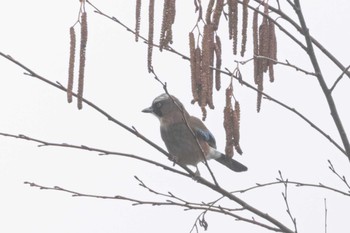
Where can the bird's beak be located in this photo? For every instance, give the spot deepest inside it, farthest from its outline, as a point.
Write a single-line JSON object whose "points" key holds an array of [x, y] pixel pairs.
{"points": [[148, 110]]}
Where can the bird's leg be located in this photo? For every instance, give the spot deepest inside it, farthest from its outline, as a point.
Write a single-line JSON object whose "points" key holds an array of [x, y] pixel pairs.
{"points": [[174, 159], [197, 174]]}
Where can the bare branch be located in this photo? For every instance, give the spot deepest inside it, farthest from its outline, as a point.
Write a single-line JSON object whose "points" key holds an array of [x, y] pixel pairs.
{"points": [[279, 62], [285, 198], [299, 29], [296, 183], [268, 97], [92, 149], [229, 73], [325, 215], [320, 78], [167, 48], [342, 178], [199, 179], [339, 78]]}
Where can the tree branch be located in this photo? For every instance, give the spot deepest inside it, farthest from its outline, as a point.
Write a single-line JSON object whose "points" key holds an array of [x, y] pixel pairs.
{"points": [[278, 62], [229, 73], [314, 41], [246, 84], [199, 179], [321, 80], [339, 78], [92, 149], [167, 48]]}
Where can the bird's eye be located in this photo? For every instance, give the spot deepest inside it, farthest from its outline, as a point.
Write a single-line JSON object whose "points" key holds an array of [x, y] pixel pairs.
{"points": [[158, 105]]}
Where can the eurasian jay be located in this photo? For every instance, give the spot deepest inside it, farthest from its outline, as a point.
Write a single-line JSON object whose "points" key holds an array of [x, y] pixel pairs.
{"points": [[180, 141]]}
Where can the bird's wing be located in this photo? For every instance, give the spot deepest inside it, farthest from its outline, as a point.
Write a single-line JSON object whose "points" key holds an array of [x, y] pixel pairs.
{"points": [[202, 132]]}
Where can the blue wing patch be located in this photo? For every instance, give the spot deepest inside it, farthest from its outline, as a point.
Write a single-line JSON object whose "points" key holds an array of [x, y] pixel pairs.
{"points": [[206, 136]]}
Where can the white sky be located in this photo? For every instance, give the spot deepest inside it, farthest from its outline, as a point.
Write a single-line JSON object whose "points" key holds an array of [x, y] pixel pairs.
{"points": [[36, 34]]}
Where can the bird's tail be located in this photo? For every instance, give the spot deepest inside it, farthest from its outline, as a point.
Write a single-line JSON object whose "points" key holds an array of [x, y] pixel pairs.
{"points": [[231, 163]]}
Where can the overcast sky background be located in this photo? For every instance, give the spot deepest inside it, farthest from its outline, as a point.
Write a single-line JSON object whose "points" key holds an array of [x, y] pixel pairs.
{"points": [[36, 33]]}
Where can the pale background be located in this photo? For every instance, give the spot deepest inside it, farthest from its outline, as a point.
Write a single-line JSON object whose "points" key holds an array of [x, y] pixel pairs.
{"points": [[36, 33]]}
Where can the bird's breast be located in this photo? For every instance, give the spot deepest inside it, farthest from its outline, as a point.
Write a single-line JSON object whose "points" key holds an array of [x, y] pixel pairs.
{"points": [[182, 144]]}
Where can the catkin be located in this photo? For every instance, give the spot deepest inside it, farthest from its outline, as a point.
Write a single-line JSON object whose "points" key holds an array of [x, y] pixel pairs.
{"points": [[193, 67], [271, 72], [259, 97], [236, 125], [256, 46], [218, 63], [207, 61], [228, 116], [209, 11], [264, 42], [233, 22], [272, 49], [264, 45], [150, 35], [272, 41], [217, 14], [244, 26], [83, 42], [198, 70], [167, 22], [71, 65], [137, 19]]}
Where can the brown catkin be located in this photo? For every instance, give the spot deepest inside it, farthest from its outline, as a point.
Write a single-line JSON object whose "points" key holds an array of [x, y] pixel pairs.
{"points": [[204, 113], [228, 115], [233, 23], [150, 35], [271, 72], [171, 20], [236, 125], [83, 42], [238, 110], [272, 49], [272, 41], [209, 11], [198, 70], [164, 25], [207, 62], [205, 71], [259, 97], [264, 40], [71, 65], [217, 14], [168, 20], [244, 26], [193, 67], [137, 19], [263, 45], [256, 46], [218, 63]]}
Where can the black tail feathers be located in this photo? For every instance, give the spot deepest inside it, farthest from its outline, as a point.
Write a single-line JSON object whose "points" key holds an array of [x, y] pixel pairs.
{"points": [[232, 164]]}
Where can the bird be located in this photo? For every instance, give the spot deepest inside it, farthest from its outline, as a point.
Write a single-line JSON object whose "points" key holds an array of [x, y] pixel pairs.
{"points": [[182, 133]]}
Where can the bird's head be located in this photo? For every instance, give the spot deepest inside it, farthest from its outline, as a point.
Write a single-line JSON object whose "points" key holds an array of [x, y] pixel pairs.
{"points": [[166, 107]]}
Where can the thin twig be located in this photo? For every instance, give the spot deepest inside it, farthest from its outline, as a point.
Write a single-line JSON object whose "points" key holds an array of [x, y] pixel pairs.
{"points": [[342, 178], [296, 183], [299, 29], [229, 73], [280, 103], [325, 215], [280, 226], [167, 48], [285, 198], [321, 80], [92, 149], [135, 202], [279, 62], [339, 78]]}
